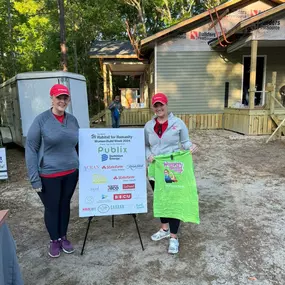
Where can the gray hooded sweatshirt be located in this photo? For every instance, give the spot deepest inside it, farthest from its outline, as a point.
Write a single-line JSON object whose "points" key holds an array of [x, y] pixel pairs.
{"points": [[175, 137]]}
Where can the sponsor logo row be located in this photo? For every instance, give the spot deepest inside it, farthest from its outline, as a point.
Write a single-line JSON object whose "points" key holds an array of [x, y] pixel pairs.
{"points": [[115, 188], [104, 208], [104, 197], [114, 167], [102, 179]]}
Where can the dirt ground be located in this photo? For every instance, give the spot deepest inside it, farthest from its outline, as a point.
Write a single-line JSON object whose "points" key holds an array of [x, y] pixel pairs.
{"points": [[241, 183]]}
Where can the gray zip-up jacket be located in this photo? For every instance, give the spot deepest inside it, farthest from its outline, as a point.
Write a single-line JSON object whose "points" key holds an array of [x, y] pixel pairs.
{"points": [[175, 137], [50, 146]]}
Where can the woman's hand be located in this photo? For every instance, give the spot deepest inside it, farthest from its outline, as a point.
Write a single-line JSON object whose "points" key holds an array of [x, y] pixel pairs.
{"points": [[150, 159], [194, 148]]}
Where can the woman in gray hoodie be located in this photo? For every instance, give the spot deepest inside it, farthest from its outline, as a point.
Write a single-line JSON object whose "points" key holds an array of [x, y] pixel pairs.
{"points": [[166, 134]]}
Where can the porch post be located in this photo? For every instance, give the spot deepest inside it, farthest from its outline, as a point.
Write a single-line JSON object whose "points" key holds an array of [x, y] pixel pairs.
{"points": [[111, 84], [252, 79], [142, 85], [273, 93], [105, 85]]}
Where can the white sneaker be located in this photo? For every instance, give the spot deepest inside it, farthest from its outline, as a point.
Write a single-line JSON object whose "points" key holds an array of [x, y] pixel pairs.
{"points": [[173, 245], [160, 235]]}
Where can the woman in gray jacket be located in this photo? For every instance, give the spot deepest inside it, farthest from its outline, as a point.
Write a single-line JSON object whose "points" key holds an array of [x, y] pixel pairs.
{"points": [[166, 134], [52, 163]]}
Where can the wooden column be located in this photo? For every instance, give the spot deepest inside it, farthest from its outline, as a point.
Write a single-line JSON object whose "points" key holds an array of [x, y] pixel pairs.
{"points": [[105, 85], [273, 93], [110, 85], [252, 79], [268, 96]]}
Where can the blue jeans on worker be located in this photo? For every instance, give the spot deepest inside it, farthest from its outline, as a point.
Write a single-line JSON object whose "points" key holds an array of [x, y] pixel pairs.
{"points": [[115, 122]]}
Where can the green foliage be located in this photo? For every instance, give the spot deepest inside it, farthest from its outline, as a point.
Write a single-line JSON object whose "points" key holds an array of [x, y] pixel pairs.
{"points": [[30, 41]]}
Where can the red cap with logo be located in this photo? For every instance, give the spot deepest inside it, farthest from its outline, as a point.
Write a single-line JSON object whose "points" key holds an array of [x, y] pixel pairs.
{"points": [[159, 98], [59, 89]]}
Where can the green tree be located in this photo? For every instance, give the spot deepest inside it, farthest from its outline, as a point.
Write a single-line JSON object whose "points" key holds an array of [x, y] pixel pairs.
{"points": [[30, 38]]}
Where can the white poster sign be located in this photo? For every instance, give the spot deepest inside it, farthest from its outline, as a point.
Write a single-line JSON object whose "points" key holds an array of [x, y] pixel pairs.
{"points": [[112, 172], [3, 164]]}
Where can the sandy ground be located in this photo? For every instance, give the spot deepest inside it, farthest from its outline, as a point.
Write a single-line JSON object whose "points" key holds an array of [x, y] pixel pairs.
{"points": [[240, 240]]}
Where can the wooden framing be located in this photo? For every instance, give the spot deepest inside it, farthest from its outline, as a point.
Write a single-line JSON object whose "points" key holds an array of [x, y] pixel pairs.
{"points": [[244, 121], [114, 56], [110, 85], [257, 121], [269, 88], [132, 117], [105, 87], [273, 93], [248, 122], [252, 79], [231, 5], [260, 18], [220, 18], [251, 121], [138, 117], [202, 121]]}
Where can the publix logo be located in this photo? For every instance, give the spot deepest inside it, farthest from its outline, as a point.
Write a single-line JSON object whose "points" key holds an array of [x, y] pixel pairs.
{"points": [[118, 149]]}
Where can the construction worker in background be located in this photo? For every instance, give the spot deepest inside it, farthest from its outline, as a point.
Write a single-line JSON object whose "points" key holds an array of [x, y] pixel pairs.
{"points": [[116, 110]]}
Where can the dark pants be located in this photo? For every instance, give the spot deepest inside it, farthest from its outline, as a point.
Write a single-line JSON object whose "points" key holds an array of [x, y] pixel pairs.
{"points": [[56, 196], [115, 122], [173, 223]]}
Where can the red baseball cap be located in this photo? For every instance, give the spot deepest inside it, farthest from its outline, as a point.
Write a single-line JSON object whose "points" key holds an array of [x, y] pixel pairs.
{"points": [[159, 97], [59, 89]]}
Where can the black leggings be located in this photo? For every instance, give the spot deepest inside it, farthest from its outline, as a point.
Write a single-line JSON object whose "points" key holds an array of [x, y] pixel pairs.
{"points": [[56, 195], [173, 223]]}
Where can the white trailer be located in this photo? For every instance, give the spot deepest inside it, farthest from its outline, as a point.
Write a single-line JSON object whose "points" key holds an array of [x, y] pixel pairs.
{"points": [[26, 95]]}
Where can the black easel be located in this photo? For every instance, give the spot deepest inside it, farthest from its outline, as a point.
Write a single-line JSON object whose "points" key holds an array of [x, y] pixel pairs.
{"points": [[113, 222]]}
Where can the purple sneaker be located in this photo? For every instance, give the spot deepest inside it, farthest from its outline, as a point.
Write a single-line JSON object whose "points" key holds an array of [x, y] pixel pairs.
{"points": [[54, 248], [66, 245]]}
